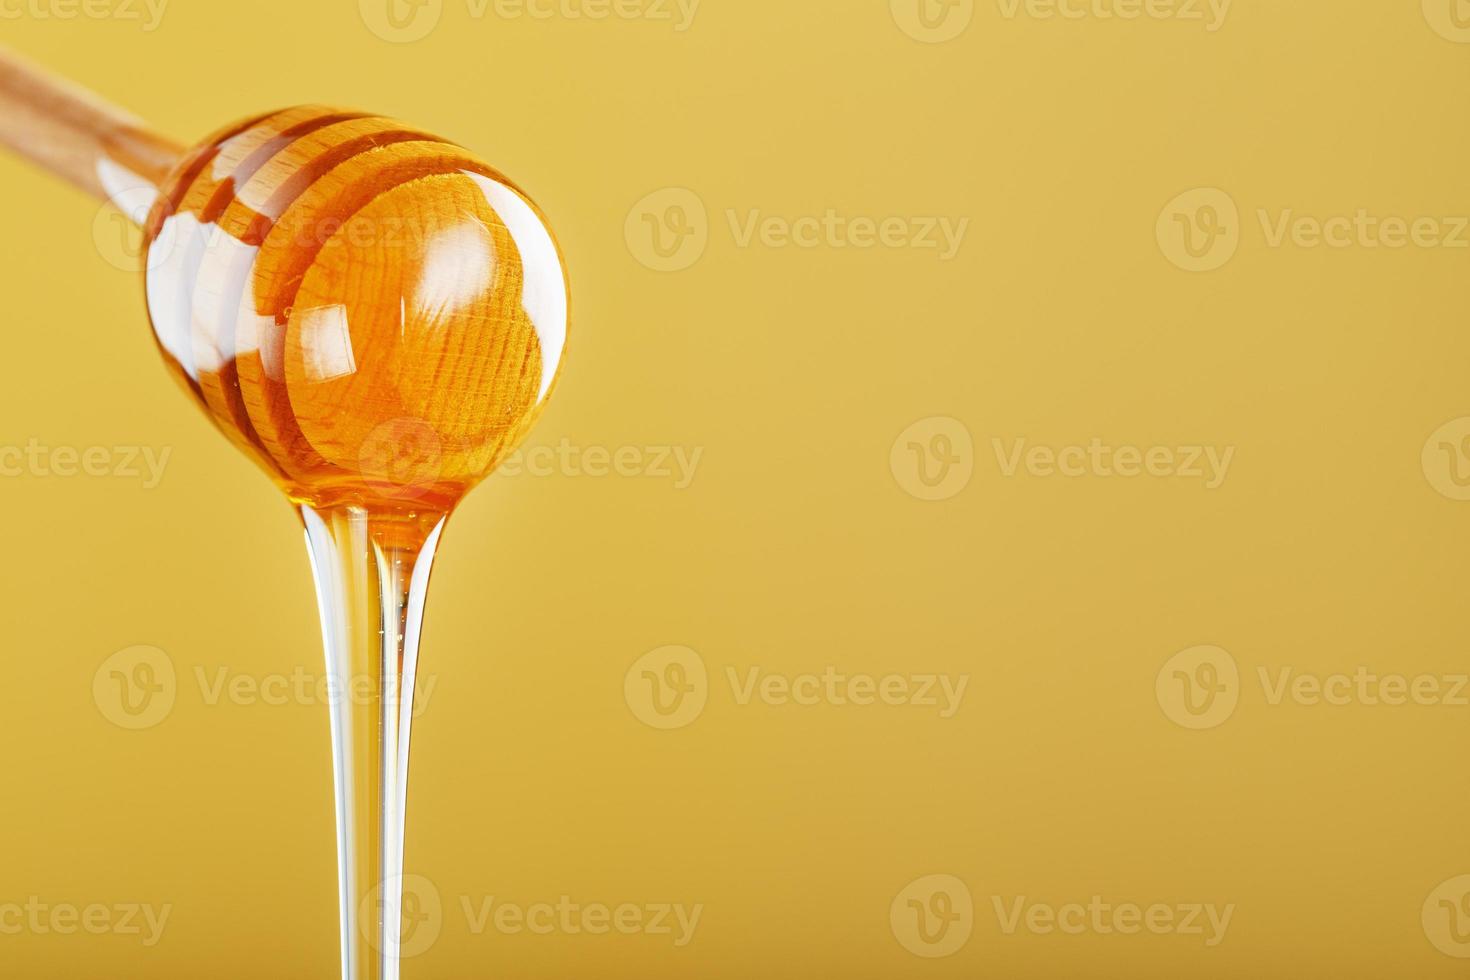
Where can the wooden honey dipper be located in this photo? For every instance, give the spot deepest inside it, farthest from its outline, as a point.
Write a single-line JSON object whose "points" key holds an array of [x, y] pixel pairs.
{"points": [[372, 313], [377, 318]]}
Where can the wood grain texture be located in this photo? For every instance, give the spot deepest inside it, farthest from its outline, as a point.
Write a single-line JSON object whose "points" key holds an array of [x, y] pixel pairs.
{"points": [[373, 313]]}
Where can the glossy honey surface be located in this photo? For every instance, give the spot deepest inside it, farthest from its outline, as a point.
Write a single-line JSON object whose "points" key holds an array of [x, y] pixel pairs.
{"points": [[372, 313]]}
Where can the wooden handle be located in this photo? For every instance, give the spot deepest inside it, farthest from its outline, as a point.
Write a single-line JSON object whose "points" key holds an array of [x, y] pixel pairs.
{"points": [[76, 135]]}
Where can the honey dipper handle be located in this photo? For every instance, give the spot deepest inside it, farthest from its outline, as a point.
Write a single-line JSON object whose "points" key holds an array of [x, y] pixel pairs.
{"points": [[72, 133]]}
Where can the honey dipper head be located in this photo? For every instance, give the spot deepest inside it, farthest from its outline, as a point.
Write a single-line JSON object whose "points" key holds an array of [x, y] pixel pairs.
{"points": [[372, 313]]}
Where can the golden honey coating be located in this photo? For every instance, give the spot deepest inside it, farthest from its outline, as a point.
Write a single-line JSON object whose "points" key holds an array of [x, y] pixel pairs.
{"points": [[372, 313]]}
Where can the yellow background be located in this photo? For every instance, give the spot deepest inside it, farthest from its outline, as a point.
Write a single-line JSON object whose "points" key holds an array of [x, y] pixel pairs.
{"points": [[795, 548]]}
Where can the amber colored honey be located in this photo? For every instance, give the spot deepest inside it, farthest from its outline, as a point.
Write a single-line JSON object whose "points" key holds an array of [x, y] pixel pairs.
{"points": [[372, 313]]}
